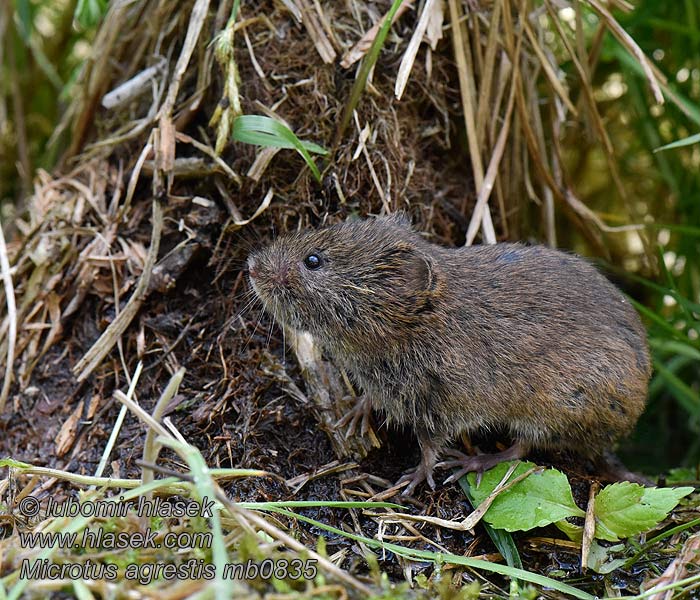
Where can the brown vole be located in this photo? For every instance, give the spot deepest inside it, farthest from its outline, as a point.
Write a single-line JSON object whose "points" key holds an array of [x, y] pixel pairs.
{"points": [[450, 340]]}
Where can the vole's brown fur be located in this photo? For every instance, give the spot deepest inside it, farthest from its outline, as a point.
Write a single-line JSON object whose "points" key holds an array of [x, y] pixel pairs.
{"points": [[450, 340]]}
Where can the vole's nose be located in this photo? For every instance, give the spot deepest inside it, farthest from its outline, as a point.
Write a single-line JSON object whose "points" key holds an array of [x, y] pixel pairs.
{"points": [[280, 275]]}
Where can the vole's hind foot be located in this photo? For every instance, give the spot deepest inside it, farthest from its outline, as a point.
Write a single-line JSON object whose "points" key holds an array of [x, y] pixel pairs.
{"points": [[480, 462], [423, 472], [361, 412], [611, 468]]}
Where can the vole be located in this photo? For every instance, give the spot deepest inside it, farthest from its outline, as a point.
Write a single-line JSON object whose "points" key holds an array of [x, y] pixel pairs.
{"points": [[526, 339]]}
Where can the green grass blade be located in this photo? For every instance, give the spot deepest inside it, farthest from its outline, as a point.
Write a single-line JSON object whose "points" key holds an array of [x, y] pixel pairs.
{"points": [[671, 290], [687, 141], [689, 108], [88, 13], [367, 63], [686, 305], [649, 543], [675, 347], [661, 322], [316, 504], [674, 364], [686, 396], [687, 229], [439, 557], [270, 133]]}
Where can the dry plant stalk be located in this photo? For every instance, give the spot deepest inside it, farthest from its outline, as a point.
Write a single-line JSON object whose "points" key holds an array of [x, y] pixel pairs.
{"points": [[663, 588], [11, 320]]}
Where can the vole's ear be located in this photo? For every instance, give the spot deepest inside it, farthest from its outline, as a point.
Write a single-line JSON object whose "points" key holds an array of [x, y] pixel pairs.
{"points": [[400, 219], [426, 275], [421, 277]]}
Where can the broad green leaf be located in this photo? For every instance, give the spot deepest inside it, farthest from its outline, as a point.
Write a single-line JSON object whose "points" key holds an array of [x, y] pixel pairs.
{"points": [[501, 539], [264, 131], [625, 509], [540, 499], [681, 474], [573, 532], [600, 560]]}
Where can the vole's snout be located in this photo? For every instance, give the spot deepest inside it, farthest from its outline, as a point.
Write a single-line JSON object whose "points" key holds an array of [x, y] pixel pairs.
{"points": [[279, 275], [270, 270]]}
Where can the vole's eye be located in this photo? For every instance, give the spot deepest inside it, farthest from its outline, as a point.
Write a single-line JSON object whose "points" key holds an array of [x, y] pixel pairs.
{"points": [[313, 261]]}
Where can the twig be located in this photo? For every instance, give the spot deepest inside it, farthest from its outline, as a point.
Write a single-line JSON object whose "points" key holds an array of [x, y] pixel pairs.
{"points": [[12, 318], [116, 328], [589, 526], [628, 42], [475, 516], [365, 42], [118, 423], [314, 27], [466, 88], [412, 49], [481, 206], [209, 151]]}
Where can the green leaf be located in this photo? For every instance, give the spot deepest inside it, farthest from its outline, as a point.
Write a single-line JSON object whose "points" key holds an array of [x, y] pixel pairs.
{"points": [[681, 474], [689, 108], [88, 13], [264, 131], [540, 499], [600, 560], [501, 539], [25, 18], [625, 509], [660, 321], [573, 532]]}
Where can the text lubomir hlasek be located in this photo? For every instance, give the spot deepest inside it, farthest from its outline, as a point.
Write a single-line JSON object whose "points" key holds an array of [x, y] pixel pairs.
{"points": [[121, 508]]}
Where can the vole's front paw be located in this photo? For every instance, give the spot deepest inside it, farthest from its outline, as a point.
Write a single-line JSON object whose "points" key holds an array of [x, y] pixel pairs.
{"points": [[361, 412]]}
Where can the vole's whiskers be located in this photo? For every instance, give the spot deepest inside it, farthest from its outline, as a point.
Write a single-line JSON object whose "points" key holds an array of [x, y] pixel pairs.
{"points": [[244, 308], [255, 328], [269, 334], [275, 311], [284, 345]]}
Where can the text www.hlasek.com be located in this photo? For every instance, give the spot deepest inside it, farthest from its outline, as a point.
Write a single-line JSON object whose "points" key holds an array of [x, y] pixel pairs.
{"points": [[108, 540]]}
